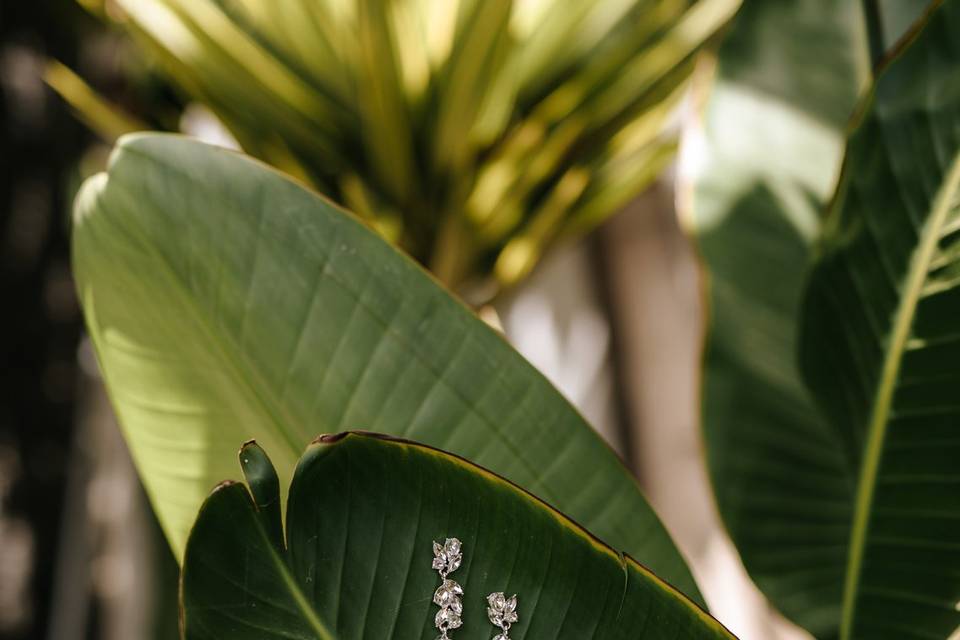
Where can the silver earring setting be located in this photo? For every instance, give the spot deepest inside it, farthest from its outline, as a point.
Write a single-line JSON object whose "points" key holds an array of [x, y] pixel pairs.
{"points": [[502, 612], [446, 559]]}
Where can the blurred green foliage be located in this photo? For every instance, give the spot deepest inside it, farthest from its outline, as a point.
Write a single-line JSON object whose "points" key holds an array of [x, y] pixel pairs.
{"points": [[473, 134]]}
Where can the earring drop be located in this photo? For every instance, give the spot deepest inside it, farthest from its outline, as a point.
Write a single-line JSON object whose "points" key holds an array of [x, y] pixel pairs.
{"points": [[446, 559], [502, 612]]}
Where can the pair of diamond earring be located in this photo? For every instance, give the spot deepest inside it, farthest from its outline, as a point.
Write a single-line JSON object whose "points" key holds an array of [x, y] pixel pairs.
{"points": [[501, 610]]}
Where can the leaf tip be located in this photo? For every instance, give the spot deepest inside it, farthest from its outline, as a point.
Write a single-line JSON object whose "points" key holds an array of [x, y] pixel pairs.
{"points": [[87, 196], [223, 485], [330, 438], [251, 452]]}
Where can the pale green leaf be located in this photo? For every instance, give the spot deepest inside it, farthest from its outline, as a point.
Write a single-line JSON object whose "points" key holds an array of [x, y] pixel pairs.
{"points": [[227, 302]]}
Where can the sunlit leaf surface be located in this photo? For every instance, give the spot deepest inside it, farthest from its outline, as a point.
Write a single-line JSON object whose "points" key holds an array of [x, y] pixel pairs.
{"points": [[473, 133], [226, 302]]}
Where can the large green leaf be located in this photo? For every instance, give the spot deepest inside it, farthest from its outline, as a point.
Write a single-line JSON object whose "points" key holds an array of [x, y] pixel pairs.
{"points": [[787, 79], [362, 515], [789, 475], [227, 302], [881, 336]]}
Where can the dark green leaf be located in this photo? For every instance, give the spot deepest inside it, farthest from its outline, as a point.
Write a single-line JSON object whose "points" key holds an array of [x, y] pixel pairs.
{"points": [[879, 321], [787, 80], [881, 336], [362, 515]]}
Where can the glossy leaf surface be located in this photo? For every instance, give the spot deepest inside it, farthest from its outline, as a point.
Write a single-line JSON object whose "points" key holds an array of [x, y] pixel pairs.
{"points": [[226, 302], [361, 519]]}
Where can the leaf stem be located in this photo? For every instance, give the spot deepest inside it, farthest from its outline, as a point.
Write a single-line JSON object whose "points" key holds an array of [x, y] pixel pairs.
{"points": [[875, 37]]}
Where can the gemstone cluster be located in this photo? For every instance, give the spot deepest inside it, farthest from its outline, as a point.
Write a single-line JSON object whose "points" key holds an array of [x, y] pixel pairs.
{"points": [[446, 559], [502, 612]]}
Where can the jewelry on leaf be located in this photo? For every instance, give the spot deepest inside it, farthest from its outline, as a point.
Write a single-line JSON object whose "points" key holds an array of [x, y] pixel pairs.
{"points": [[502, 612], [446, 559]]}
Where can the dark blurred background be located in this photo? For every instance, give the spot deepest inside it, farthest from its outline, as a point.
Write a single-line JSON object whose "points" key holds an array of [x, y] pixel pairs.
{"points": [[64, 520]]}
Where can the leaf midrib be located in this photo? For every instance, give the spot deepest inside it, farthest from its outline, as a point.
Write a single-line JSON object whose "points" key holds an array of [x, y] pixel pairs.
{"points": [[876, 435], [289, 581], [240, 373], [309, 614]]}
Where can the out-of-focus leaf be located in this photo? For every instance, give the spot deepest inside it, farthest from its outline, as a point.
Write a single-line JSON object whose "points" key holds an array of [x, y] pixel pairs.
{"points": [[226, 303], [469, 120], [363, 514], [787, 80], [897, 17], [108, 120]]}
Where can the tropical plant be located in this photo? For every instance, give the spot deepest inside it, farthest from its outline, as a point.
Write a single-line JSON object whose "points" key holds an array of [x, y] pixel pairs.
{"points": [[473, 134], [355, 562], [227, 302], [190, 337], [833, 469], [774, 136]]}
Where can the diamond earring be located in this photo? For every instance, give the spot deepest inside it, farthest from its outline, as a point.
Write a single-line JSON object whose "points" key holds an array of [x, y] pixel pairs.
{"points": [[446, 560], [502, 612]]}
